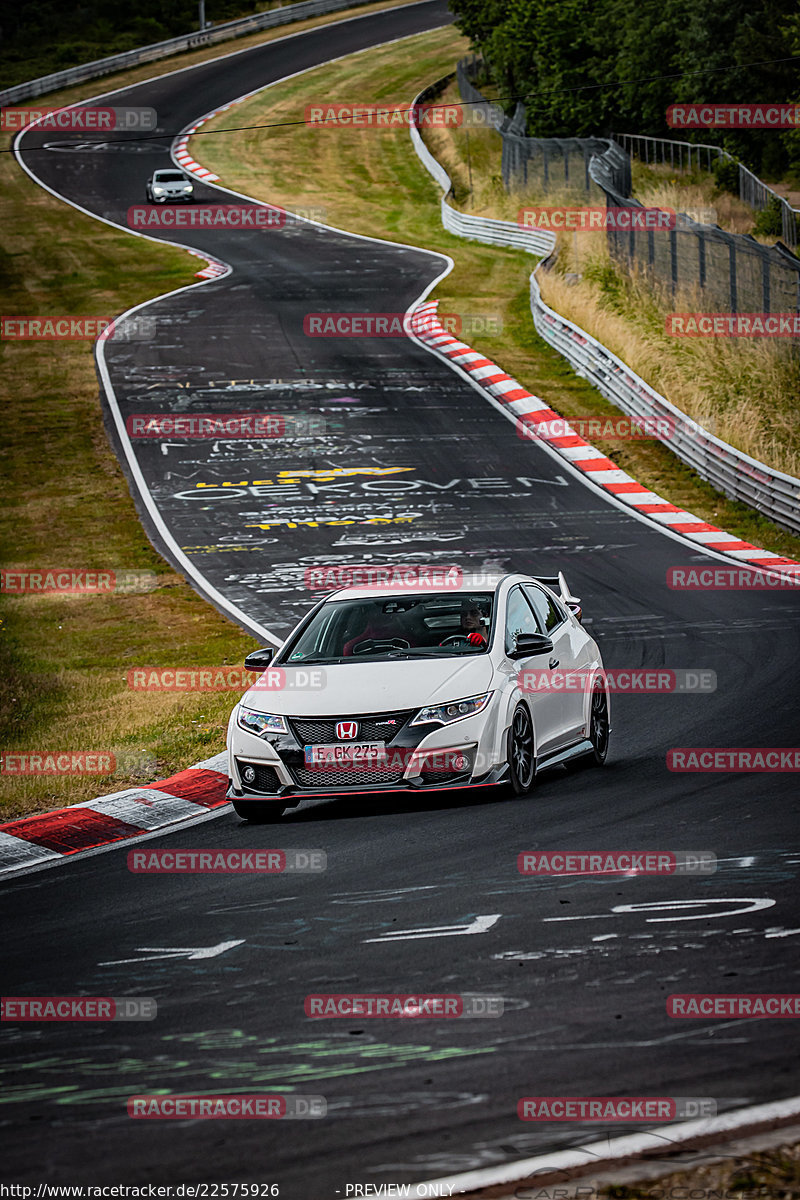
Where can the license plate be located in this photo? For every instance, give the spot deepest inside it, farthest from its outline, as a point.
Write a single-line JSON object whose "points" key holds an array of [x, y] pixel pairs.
{"points": [[336, 754]]}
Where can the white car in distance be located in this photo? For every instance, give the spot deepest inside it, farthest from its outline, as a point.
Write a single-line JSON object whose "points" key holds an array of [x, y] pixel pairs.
{"points": [[169, 184], [416, 689]]}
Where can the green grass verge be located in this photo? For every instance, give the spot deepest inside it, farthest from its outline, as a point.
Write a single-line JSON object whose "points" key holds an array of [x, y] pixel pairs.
{"points": [[64, 660]]}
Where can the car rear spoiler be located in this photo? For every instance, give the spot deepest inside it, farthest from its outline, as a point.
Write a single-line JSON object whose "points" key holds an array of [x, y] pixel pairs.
{"points": [[558, 584]]}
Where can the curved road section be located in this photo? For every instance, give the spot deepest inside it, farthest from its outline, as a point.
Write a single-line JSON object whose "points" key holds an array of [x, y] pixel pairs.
{"points": [[406, 462]]}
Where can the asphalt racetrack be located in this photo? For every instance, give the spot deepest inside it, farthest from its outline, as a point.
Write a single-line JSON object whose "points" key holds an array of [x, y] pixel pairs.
{"points": [[428, 471]]}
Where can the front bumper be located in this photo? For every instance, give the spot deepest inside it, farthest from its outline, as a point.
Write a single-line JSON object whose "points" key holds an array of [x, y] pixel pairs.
{"points": [[418, 758]]}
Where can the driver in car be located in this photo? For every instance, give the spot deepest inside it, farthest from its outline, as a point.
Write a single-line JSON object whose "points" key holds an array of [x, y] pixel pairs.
{"points": [[471, 624], [384, 628]]}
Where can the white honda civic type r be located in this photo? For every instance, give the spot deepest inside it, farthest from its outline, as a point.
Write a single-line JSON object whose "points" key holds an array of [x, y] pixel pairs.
{"points": [[407, 688]]}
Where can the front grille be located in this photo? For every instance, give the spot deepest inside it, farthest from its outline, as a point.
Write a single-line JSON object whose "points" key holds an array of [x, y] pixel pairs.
{"points": [[314, 777], [266, 780], [371, 728]]}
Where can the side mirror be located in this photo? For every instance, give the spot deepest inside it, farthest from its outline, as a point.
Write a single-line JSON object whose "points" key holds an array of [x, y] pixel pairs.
{"points": [[526, 644], [259, 660]]}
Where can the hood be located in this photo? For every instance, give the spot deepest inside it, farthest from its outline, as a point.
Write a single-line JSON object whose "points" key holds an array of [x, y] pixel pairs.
{"points": [[355, 688]]}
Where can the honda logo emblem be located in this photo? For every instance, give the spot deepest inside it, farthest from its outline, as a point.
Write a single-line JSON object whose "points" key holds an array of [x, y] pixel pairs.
{"points": [[346, 730]]}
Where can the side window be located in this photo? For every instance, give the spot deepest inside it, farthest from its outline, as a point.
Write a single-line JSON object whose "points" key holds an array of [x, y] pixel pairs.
{"points": [[519, 617], [547, 611]]}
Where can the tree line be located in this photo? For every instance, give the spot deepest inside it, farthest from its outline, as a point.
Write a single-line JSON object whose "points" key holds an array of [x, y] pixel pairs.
{"points": [[589, 67]]}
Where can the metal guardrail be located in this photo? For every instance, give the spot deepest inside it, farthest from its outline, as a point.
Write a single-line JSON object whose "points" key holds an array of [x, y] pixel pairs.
{"points": [[188, 41], [479, 229], [752, 190], [731, 471]]}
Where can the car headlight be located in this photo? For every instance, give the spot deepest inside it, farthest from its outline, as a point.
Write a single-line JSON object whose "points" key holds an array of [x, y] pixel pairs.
{"points": [[157, 190], [260, 723], [445, 714], [188, 187]]}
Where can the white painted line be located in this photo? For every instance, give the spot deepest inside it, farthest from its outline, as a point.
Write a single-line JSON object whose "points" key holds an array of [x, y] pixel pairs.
{"points": [[10, 873], [124, 794], [581, 453], [478, 925], [602, 1153], [527, 404], [146, 813], [188, 952], [19, 853], [643, 497]]}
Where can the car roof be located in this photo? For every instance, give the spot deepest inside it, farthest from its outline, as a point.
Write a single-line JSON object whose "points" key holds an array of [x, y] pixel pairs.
{"points": [[440, 584], [170, 171]]}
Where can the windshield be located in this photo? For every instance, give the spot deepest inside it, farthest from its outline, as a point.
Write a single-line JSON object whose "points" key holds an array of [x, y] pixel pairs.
{"points": [[394, 627], [169, 177]]}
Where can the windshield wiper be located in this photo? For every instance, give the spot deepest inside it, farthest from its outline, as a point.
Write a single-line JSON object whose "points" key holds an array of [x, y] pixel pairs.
{"points": [[315, 659]]}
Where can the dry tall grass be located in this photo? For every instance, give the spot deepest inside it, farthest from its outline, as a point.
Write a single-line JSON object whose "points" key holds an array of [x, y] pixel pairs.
{"points": [[747, 392]]}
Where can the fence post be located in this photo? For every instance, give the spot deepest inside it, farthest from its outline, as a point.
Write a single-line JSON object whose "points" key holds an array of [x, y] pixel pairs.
{"points": [[673, 253]]}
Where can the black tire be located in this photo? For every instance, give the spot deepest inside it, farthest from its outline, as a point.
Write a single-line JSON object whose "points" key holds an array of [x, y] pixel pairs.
{"points": [[599, 726], [521, 752], [257, 813]]}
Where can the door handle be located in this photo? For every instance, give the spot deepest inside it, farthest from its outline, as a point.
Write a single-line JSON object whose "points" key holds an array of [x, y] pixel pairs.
{"points": [[553, 662]]}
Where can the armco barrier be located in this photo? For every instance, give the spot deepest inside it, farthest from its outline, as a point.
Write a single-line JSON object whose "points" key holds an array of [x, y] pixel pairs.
{"points": [[187, 41], [734, 473], [479, 229], [752, 190], [726, 468]]}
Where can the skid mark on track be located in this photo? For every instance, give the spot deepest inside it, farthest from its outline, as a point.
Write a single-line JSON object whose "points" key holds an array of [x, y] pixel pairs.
{"points": [[235, 1066]]}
